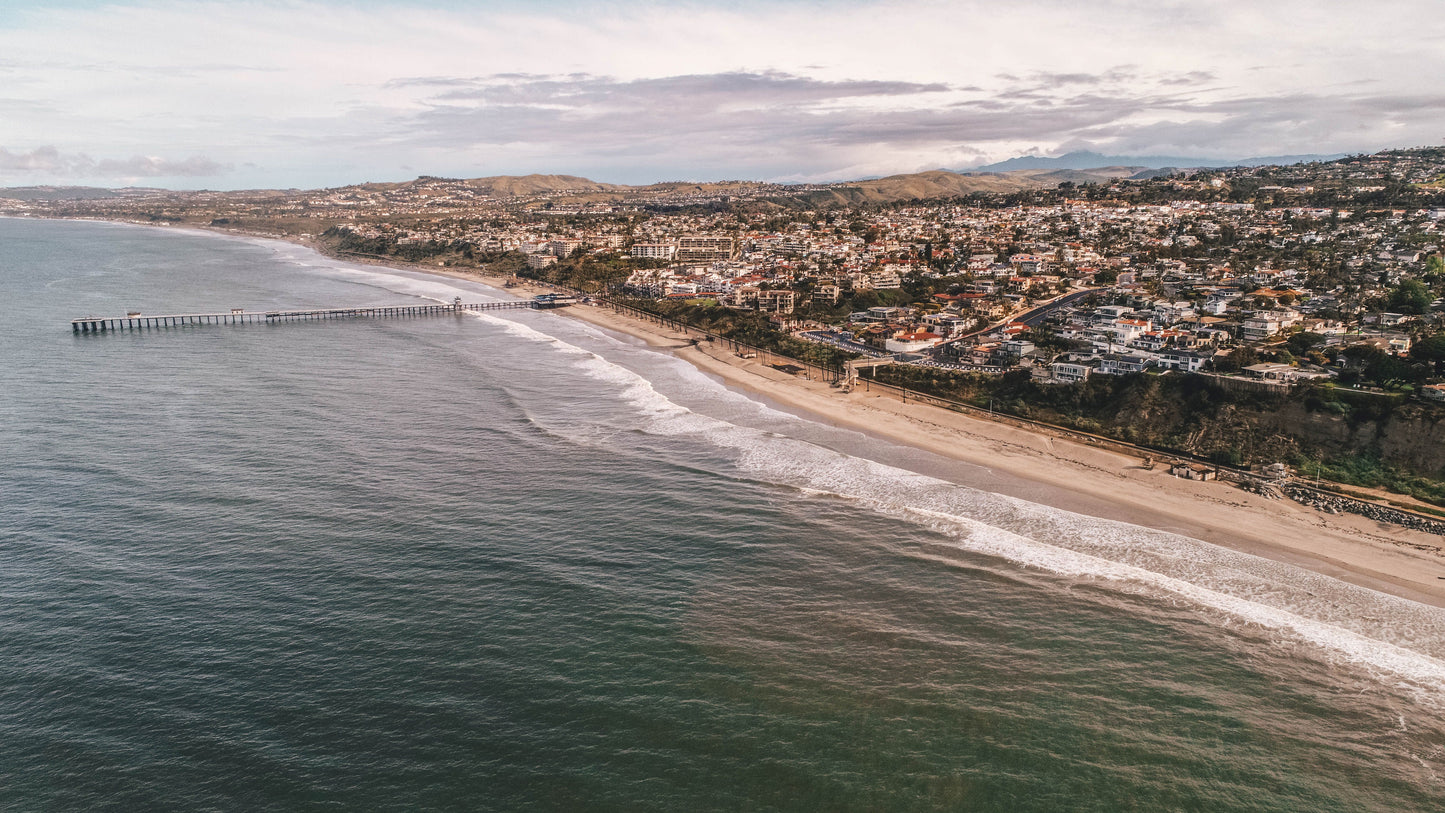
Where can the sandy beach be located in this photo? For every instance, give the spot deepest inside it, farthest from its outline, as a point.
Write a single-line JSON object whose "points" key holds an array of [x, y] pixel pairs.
{"points": [[1077, 477], [1059, 471]]}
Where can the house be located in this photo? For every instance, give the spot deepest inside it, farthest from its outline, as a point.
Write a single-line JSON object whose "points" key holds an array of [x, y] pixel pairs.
{"points": [[876, 336], [1068, 372], [911, 342], [1119, 364], [656, 251], [1217, 304], [705, 248], [1271, 372], [1012, 350], [743, 297], [1258, 327], [1127, 330], [779, 301], [563, 248], [1193, 471], [1185, 361], [1027, 263], [1154, 340], [884, 314], [885, 280], [948, 323], [1168, 313]]}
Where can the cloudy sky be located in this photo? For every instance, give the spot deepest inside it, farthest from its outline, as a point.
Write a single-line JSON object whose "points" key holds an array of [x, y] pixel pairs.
{"points": [[310, 93]]}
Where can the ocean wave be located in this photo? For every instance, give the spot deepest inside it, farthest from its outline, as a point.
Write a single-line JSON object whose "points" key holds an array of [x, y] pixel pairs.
{"points": [[396, 280], [1383, 633], [1375, 630]]}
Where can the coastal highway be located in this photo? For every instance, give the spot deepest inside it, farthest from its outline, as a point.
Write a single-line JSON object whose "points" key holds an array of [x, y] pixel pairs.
{"points": [[1030, 317], [1033, 317]]}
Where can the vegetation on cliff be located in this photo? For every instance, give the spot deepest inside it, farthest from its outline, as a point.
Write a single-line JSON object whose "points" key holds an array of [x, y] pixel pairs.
{"points": [[1384, 440]]}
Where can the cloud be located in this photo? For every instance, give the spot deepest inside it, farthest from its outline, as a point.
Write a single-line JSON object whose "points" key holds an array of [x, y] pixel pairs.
{"points": [[792, 125], [755, 89], [50, 161], [1189, 78], [41, 159], [195, 166], [324, 92], [731, 116], [1286, 123]]}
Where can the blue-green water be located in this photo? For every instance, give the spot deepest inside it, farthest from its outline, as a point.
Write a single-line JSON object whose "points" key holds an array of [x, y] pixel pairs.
{"points": [[486, 563]]}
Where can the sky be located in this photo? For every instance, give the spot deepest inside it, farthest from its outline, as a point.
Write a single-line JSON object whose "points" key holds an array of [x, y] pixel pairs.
{"points": [[320, 93]]}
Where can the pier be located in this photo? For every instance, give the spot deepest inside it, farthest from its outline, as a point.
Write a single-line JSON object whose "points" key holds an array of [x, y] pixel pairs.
{"points": [[135, 320]]}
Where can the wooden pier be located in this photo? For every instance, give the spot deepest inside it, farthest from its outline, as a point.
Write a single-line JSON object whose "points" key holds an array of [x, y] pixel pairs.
{"points": [[240, 316]]}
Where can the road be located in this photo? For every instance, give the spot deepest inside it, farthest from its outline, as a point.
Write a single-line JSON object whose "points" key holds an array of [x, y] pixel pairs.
{"points": [[1030, 317], [829, 337], [1033, 316]]}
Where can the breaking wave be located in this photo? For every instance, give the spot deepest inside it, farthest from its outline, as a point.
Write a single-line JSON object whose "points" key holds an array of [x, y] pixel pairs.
{"points": [[1386, 635]]}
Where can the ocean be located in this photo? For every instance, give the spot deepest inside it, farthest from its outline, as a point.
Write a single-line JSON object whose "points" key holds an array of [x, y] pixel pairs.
{"points": [[510, 561]]}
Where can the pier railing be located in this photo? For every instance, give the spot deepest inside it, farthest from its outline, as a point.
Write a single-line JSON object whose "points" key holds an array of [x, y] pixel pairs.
{"points": [[239, 316]]}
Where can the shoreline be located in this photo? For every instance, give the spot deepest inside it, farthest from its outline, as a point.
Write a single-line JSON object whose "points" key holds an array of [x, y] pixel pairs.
{"points": [[1036, 465], [1073, 476]]}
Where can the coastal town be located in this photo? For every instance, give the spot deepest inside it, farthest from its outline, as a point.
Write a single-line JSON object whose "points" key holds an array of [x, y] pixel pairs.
{"points": [[1274, 317], [1276, 275]]}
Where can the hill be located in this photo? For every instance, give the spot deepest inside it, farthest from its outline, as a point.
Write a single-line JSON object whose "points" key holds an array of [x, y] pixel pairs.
{"points": [[508, 186], [75, 193], [936, 183]]}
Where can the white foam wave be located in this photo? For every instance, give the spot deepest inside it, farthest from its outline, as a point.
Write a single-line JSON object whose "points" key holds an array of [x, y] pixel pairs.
{"points": [[663, 415], [396, 280], [1362, 626]]}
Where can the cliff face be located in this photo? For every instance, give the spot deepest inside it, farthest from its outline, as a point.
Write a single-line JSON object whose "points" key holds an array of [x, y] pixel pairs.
{"points": [[1202, 418], [1200, 415], [1411, 436]]}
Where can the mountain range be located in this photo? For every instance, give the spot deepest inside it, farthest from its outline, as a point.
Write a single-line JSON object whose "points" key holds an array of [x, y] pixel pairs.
{"points": [[1013, 175], [1084, 159]]}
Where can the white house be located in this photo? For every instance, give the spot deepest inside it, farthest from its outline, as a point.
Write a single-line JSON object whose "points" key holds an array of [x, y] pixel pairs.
{"points": [[1068, 372], [911, 342]]}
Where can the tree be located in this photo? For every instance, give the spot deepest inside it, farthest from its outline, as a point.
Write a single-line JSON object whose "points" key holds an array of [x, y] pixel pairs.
{"points": [[1430, 351], [1435, 269], [1304, 341], [1410, 296], [1378, 367], [1238, 359]]}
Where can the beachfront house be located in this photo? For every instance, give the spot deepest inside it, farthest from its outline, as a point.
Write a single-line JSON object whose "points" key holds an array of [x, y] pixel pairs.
{"points": [[1119, 364], [1069, 372]]}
